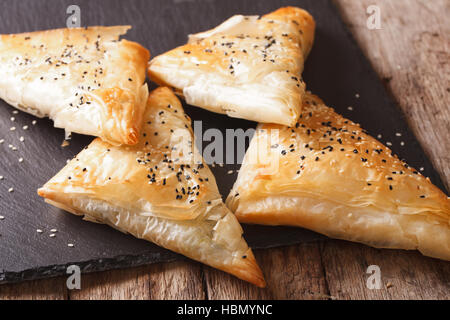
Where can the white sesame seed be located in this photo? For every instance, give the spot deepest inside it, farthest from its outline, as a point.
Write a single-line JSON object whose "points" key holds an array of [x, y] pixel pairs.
{"points": [[39, 231], [388, 143], [70, 245], [221, 165], [230, 171], [21, 139], [350, 108], [52, 235], [402, 143], [357, 96], [398, 134], [2, 217], [25, 127], [15, 112], [20, 160], [53, 230], [13, 119], [13, 148], [12, 128], [1, 177], [422, 168], [33, 122], [10, 190], [2, 140]]}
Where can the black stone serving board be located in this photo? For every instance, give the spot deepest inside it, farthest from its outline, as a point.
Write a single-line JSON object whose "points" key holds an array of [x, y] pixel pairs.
{"points": [[336, 70]]}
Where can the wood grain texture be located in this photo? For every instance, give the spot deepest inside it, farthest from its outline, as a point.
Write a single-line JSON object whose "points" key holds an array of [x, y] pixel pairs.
{"points": [[404, 274], [177, 280], [410, 53], [114, 285], [47, 289], [291, 273]]}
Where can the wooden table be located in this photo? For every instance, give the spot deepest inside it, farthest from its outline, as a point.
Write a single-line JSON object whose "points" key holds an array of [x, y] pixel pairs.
{"points": [[411, 55]]}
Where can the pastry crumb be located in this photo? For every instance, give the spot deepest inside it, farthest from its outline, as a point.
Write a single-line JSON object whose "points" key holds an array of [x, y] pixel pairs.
{"points": [[65, 143]]}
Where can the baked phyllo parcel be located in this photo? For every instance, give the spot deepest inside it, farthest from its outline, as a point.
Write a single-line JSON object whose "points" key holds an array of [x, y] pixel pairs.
{"points": [[248, 67], [326, 174], [159, 190], [84, 79]]}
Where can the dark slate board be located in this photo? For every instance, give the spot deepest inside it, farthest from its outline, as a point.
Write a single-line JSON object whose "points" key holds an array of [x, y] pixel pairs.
{"points": [[336, 70]]}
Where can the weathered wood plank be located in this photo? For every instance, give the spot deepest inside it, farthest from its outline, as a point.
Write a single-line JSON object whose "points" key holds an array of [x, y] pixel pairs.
{"points": [[176, 280], [404, 274], [293, 272], [121, 284], [47, 289]]}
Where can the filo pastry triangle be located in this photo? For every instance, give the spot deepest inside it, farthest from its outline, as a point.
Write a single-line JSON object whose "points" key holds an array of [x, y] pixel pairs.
{"points": [[159, 190], [326, 174], [84, 79], [248, 67]]}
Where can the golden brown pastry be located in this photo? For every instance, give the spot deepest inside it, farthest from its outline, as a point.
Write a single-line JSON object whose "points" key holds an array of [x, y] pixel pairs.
{"points": [[159, 190], [326, 174], [83, 78], [248, 67]]}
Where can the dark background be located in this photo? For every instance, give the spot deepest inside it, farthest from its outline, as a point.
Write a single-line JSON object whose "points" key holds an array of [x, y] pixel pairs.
{"points": [[335, 70]]}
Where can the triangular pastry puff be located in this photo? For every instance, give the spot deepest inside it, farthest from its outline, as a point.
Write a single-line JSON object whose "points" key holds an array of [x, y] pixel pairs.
{"points": [[248, 67], [326, 174], [84, 79], [159, 190]]}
